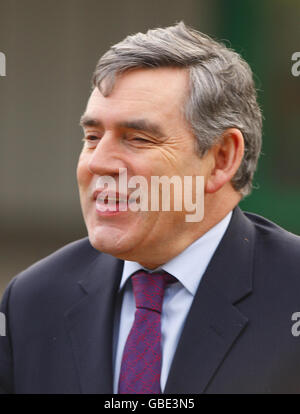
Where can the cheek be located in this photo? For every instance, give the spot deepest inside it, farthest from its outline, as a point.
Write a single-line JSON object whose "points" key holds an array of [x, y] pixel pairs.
{"points": [[83, 174]]}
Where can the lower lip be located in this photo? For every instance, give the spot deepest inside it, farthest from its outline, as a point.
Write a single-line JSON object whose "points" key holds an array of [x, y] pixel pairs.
{"points": [[113, 212]]}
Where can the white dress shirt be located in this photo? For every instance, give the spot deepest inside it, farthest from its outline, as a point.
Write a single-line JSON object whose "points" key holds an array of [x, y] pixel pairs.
{"points": [[188, 267]]}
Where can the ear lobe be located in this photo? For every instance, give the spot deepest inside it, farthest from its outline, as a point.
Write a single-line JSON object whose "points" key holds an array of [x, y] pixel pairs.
{"points": [[228, 154], [215, 182]]}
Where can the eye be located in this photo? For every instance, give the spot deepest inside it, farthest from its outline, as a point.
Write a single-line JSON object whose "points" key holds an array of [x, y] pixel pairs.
{"points": [[91, 137], [140, 139], [90, 141]]}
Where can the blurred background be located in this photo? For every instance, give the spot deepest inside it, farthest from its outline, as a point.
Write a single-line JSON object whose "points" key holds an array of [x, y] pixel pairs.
{"points": [[52, 47]]}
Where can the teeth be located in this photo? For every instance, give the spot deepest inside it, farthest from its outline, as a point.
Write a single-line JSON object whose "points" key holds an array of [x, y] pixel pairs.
{"points": [[102, 198], [110, 200]]}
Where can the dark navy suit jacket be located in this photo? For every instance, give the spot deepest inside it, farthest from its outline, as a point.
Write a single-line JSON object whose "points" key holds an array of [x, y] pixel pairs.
{"points": [[237, 337]]}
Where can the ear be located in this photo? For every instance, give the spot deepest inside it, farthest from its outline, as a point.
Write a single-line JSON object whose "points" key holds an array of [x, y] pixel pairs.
{"points": [[227, 155]]}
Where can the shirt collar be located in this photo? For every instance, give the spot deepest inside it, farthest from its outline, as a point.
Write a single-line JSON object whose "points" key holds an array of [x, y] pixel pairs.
{"points": [[189, 266]]}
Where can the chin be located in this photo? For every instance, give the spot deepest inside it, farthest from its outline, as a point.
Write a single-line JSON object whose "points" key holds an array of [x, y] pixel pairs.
{"points": [[110, 242]]}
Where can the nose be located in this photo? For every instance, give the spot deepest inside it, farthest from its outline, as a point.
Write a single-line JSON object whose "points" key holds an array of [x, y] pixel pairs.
{"points": [[106, 158]]}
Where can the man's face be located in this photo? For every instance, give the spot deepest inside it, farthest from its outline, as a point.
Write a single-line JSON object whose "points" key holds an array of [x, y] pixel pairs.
{"points": [[140, 126]]}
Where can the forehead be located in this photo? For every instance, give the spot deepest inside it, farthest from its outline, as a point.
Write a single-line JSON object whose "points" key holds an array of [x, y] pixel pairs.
{"points": [[157, 94]]}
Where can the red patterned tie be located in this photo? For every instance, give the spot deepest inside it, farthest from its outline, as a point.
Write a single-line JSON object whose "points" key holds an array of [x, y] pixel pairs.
{"points": [[141, 362]]}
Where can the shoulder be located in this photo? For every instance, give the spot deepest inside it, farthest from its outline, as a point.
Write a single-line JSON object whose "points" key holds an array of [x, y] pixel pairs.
{"points": [[57, 272], [277, 249], [270, 232]]}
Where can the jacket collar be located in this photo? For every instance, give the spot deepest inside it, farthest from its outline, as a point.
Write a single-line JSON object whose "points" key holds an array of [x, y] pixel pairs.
{"points": [[214, 322], [90, 324]]}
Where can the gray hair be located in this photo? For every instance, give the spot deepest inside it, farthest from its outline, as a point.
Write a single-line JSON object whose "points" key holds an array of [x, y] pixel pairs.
{"points": [[221, 94]]}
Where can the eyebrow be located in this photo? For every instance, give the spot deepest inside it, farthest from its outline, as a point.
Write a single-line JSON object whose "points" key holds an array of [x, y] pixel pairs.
{"points": [[142, 125], [86, 121]]}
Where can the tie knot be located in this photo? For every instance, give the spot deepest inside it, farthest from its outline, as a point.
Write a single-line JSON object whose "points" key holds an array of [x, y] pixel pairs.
{"points": [[148, 289]]}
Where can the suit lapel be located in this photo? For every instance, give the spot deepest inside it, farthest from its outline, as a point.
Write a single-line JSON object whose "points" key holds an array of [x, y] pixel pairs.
{"points": [[214, 322], [90, 325]]}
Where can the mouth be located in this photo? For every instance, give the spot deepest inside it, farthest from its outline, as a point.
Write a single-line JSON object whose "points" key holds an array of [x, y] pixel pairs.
{"points": [[111, 202]]}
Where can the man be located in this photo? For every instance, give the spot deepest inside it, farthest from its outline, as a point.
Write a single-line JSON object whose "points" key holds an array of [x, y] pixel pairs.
{"points": [[151, 302]]}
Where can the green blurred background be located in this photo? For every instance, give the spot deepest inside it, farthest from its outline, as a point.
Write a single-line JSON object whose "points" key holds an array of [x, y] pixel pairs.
{"points": [[266, 33], [52, 47]]}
